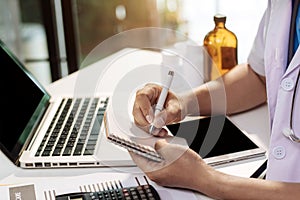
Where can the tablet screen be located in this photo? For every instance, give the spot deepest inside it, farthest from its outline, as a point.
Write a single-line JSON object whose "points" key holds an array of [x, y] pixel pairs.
{"points": [[212, 136]]}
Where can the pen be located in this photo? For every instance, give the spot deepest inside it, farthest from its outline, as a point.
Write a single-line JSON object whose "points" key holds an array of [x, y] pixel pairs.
{"points": [[261, 171], [162, 98]]}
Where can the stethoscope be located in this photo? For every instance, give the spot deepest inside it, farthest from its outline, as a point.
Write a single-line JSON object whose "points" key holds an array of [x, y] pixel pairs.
{"points": [[289, 132]]}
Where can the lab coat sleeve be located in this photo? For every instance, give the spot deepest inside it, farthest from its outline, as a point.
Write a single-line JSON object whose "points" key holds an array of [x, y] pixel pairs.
{"points": [[256, 56]]}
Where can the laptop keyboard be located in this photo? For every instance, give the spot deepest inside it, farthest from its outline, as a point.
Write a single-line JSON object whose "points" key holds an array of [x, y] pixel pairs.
{"points": [[75, 128]]}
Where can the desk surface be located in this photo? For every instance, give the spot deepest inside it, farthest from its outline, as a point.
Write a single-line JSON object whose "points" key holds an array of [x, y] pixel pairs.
{"points": [[254, 122]]}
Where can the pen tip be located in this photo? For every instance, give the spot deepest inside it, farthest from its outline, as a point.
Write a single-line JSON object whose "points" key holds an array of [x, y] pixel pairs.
{"points": [[171, 73], [151, 129]]}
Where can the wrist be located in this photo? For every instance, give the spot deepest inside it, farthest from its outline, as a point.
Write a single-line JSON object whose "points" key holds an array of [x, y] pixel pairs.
{"points": [[221, 185], [189, 104], [212, 182]]}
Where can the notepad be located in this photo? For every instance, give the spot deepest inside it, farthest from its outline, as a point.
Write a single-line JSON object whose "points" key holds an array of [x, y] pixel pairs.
{"points": [[144, 146]]}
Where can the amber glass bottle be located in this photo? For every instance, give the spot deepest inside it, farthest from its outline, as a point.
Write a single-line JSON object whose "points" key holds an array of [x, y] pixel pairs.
{"points": [[221, 45]]}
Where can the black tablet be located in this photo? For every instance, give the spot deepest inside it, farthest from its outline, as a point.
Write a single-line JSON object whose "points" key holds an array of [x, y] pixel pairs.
{"points": [[217, 139]]}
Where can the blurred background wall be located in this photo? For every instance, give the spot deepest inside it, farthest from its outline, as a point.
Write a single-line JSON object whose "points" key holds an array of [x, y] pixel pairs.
{"points": [[22, 25]]}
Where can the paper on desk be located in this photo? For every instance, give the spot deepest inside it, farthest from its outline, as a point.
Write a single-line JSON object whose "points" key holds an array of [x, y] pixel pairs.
{"points": [[47, 187]]}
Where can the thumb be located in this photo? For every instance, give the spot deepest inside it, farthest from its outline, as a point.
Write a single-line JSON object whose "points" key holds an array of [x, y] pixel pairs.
{"points": [[171, 151], [160, 144]]}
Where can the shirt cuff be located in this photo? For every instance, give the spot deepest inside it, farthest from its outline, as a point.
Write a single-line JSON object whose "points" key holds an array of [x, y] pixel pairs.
{"points": [[257, 66]]}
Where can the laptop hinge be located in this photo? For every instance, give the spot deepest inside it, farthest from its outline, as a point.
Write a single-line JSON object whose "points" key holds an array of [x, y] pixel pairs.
{"points": [[32, 135]]}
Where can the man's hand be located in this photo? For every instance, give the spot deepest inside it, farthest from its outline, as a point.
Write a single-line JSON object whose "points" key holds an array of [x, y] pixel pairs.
{"points": [[182, 167], [143, 113]]}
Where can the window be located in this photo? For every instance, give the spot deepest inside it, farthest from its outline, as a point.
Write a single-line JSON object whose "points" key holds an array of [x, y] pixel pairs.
{"points": [[22, 25]]}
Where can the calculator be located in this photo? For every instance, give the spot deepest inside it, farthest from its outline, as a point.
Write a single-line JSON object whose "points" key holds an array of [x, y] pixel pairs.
{"points": [[139, 192]]}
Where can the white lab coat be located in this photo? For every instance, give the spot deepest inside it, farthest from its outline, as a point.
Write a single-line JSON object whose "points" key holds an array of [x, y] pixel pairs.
{"points": [[269, 57]]}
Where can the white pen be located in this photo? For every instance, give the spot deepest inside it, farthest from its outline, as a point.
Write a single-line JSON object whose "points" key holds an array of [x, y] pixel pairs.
{"points": [[162, 98]]}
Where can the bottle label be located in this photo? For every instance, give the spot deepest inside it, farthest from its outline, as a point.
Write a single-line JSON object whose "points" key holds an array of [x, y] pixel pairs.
{"points": [[229, 58]]}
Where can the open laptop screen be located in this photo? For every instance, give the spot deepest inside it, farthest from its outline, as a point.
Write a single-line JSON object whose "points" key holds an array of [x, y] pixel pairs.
{"points": [[21, 95]]}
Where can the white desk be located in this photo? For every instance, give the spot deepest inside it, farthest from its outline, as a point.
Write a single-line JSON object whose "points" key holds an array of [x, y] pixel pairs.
{"points": [[255, 122]]}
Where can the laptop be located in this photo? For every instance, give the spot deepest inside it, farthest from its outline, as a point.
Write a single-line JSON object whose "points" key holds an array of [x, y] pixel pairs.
{"points": [[39, 131]]}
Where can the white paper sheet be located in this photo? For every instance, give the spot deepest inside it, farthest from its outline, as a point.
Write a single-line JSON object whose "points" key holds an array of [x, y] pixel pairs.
{"points": [[47, 188]]}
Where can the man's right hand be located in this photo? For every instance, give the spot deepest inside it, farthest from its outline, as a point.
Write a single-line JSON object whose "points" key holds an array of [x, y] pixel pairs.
{"points": [[143, 112]]}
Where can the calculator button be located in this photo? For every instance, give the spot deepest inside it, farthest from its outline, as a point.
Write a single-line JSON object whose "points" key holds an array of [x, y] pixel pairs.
{"points": [[139, 188], [146, 186], [148, 191], [150, 195], [141, 192]]}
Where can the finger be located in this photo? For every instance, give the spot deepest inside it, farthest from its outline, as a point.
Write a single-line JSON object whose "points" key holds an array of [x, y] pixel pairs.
{"points": [[173, 111], [141, 120], [139, 160], [159, 122], [152, 91], [160, 144], [145, 164], [142, 111], [162, 133], [142, 108], [170, 152], [159, 132], [160, 119]]}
